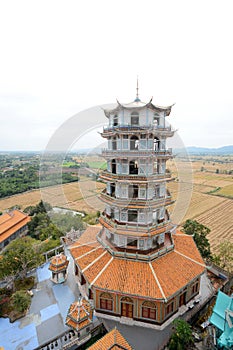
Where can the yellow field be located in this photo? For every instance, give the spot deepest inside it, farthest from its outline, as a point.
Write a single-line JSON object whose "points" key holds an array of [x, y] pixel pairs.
{"points": [[210, 209]]}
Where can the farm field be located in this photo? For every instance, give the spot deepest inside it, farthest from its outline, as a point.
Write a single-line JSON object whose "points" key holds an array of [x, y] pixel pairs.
{"points": [[203, 195]]}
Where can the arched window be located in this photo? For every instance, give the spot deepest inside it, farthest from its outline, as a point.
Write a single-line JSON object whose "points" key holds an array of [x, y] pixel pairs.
{"points": [[126, 307], [156, 144], [149, 310], [134, 118], [106, 301]]}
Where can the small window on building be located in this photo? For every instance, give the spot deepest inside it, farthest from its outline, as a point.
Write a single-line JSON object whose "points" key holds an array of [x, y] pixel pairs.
{"points": [[149, 310], [106, 301], [169, 308], [195, 288]]}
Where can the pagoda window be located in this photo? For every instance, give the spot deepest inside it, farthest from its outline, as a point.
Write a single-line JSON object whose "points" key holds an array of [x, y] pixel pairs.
{"points": [[149, 310], [155, 216], [143, 167], [116, 214], [132, 215], [114, 166], [134, 119], [133, 191], [106, 301], [156, 144], [157, 191], [143, 142], [150, 142], [112, 189], [115, 120], [124, 215], [132, 242], [124, 166], [125, 144], [133, 167], [124, 191], [156, 120], [142, 217], [134, 143], [142, 192], [114, 143]]}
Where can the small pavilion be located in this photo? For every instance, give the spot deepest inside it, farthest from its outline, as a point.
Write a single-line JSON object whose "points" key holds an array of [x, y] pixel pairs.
{"points": [[80, 316], [58, 266], [222, 319]]}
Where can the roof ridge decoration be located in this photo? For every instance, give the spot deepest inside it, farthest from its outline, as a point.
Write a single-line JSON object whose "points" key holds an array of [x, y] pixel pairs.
{"points": [[157, 281], [187, 257], [92, 250], [94, 261], [100, 273]]}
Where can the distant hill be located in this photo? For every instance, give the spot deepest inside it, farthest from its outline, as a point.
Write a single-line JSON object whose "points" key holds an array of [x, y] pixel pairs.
{"points": [[202, 150]]}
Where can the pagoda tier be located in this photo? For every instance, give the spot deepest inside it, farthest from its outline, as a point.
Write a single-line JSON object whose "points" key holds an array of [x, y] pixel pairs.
{"points": [[136, 197]]}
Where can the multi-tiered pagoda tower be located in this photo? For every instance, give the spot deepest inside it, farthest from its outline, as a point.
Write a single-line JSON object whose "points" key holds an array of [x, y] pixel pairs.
{"points": [[137, 265]]}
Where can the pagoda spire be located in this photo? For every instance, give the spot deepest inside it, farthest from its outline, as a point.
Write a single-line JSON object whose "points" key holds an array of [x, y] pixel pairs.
{"points": [[137, 99]]}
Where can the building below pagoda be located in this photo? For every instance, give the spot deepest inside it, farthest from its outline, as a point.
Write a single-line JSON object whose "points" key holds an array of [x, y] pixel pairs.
{"points": [[58, 266], [137, 266]]}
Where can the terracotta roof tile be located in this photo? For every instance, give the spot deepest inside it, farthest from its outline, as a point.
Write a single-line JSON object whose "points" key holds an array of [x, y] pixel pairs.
{"points": [[129, 277], [112, 340], [12, 222], [162, 278], [87, 259]]}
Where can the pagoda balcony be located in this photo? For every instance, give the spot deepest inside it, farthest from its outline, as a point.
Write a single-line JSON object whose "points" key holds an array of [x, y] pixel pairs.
{"points": [[135, 178], [132, 202], [132, 252], [119, 153], [135, 228], [127, 129]]}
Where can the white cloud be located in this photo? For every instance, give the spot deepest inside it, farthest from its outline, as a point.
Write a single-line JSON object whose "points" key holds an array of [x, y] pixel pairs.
{"points": [[66, 56]]}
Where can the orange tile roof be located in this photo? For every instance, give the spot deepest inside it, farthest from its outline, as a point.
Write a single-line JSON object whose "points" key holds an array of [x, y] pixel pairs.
{"points": [[112, 340], [12, 222], [58, 263], [159, 279], [80, 314]]}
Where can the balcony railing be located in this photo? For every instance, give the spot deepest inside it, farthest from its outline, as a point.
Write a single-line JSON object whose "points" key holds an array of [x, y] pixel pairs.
{"points": [[139, 177], [138, 255], [128, 127], [135, 200], [139, 227], [106, 152]]}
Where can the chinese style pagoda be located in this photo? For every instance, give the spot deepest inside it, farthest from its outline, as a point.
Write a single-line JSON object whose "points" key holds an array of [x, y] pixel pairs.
{"points": [[137, 265]]}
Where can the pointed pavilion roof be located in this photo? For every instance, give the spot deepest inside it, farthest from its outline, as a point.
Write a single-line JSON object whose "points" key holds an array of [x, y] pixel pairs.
{"points": [[80, 314], [137, 104], [113, 340]]}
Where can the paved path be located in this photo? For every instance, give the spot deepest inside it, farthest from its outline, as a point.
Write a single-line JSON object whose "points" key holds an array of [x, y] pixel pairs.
{"points": [[46, 316]]}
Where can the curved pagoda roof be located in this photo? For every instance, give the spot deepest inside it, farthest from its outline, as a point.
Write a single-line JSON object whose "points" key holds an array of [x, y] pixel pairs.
{"points": [[80, 314], [58, 263], [137, 104]]}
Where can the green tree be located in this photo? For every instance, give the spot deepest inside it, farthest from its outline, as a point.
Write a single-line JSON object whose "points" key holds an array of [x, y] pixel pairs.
{"points": [[224, 258], [199, 233], [19, 257], [182, 338], [21, 300]]}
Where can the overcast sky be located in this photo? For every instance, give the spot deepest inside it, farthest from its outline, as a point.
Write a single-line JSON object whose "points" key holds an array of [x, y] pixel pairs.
{"points": [[58, 58]]}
